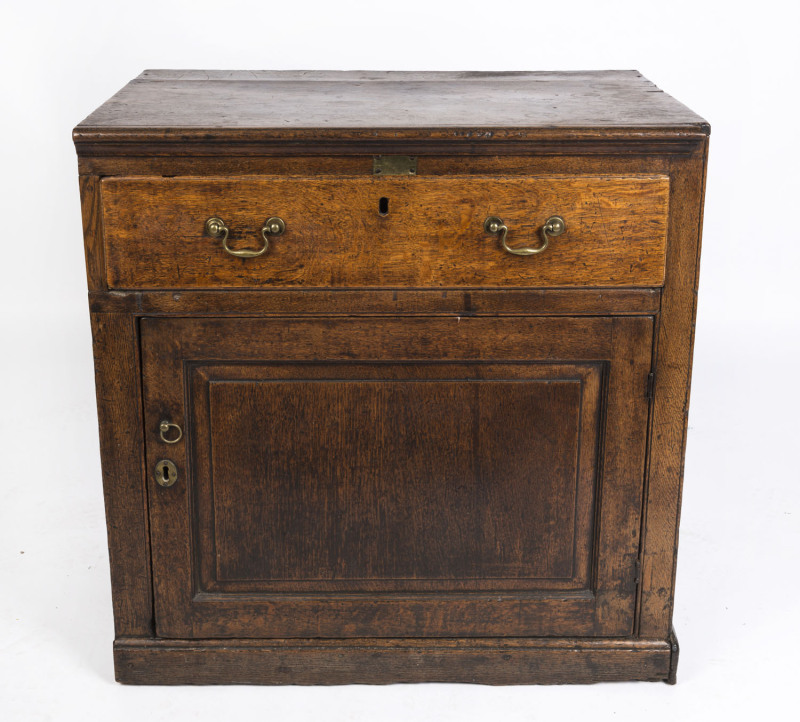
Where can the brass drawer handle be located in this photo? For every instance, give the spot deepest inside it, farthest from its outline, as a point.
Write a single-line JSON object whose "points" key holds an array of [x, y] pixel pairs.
{"points": [[553, 226], [164, 427], [216, 228]]}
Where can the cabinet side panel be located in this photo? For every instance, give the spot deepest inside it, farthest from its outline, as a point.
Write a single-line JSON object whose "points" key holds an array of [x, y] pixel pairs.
{"points": [[671, 395], [118, 409]]}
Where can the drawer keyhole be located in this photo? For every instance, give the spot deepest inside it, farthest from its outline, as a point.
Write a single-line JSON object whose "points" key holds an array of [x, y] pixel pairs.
{"points": [[383, 206]]}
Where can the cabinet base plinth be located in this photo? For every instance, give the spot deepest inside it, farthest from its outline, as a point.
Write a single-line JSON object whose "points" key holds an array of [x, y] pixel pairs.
{"points": [[388, 661]]}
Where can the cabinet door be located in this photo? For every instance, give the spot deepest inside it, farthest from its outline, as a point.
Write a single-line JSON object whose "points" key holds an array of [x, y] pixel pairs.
{"points": [[391, 477]]}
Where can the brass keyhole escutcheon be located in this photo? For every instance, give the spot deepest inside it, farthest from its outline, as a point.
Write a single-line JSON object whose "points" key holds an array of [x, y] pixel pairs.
{"points": [[166, 473]]}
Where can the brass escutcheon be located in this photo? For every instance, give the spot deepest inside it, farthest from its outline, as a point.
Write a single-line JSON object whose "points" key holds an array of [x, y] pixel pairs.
{"points": [[165, 473]]}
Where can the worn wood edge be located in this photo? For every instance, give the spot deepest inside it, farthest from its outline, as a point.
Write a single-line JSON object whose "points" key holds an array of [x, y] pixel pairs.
{"points": [[625, 160], [94, 247], [148, 147], [675, 651], [388, 661], [351, 302], [453, 134]]}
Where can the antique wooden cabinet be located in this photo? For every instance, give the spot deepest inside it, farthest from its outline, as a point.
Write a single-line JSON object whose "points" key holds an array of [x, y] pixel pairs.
{"points": [[392, 372]]}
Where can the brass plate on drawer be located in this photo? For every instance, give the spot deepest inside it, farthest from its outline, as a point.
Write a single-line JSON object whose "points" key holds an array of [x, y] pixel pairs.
{"points": [[394, 165]]}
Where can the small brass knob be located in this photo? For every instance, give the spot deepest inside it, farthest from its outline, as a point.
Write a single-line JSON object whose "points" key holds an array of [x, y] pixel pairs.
{"points": [[274, 226], [554, 226], [215, 227], [493, 225]]}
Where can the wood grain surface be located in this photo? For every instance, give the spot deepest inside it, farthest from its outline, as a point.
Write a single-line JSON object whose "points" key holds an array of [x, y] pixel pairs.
{"points": [[397, 301], [394, 477], [669, 420], [389, 661], [431, 235], [208, 522], [313, 106], [117, 383]]}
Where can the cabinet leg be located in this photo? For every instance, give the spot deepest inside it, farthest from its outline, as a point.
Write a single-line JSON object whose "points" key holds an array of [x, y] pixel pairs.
{"points": [[675, 651]]}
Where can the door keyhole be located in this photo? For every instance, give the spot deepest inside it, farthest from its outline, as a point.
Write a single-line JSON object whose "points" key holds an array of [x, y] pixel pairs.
{"points": [[165, 473]]}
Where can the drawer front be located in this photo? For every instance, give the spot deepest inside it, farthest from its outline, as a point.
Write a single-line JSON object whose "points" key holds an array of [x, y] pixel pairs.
{"points": [[366, 231]]}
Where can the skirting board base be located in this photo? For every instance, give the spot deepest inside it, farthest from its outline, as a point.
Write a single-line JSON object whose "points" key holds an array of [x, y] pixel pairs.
{"points": [[388, 661]]}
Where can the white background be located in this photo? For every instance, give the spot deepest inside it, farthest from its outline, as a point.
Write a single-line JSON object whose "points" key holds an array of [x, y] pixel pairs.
{"points": [[735, 64]]}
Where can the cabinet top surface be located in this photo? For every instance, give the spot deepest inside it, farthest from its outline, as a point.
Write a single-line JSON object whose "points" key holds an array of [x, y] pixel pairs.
{"points": [[353, 105]]}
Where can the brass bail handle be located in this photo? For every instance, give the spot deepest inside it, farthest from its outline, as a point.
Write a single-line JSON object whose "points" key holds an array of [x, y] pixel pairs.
{"points": [[216, 228], [163, 429], [553, 226]]}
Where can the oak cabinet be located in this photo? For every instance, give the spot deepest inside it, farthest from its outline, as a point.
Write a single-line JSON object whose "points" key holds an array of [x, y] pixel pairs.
{"points": [[386, 402]]}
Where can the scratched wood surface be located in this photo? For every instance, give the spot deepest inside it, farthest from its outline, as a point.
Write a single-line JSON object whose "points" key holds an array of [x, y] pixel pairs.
{"points": [[403, 301], [670, 412], [117, 376], [314, 106], [451, 585], [394, 477], [429, 232], [389, 661]]}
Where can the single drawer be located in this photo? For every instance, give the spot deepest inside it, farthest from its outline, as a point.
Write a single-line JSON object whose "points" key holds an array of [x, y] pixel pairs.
{"points": [[367, 231]]}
